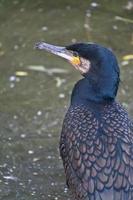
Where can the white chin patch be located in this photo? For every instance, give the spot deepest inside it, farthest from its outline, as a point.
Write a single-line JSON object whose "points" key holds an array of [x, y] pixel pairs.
{"points": [[85, 66]]}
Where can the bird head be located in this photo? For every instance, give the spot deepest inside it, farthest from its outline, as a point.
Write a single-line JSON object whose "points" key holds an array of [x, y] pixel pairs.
{"points": [[96, 63]]}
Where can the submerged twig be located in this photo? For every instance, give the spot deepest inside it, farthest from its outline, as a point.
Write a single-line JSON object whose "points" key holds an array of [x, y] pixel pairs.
{"points": [[51, 71], [123, 19]]}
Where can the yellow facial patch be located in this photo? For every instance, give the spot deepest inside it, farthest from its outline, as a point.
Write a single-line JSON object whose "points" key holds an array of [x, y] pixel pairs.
{"points": [[75, 60]]}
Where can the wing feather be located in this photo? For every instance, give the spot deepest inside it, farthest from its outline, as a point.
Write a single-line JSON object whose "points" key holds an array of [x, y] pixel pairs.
{"points": [[97, 153]]}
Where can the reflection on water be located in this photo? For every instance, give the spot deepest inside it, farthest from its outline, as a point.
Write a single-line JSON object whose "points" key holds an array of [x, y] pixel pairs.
{"points": [[35, 87]]}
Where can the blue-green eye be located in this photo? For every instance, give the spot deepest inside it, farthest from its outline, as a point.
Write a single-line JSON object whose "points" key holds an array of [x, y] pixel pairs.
{"points": [[75, 54]]}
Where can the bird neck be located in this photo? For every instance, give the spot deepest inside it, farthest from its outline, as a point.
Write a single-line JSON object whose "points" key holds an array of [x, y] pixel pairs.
{"points": [[87, 90]]}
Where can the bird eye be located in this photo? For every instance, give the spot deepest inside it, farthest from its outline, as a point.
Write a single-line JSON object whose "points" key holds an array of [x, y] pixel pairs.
{"points": [[75, 54]]}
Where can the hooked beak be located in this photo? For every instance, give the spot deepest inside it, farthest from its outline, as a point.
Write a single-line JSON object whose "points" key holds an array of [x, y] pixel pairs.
{"points": [[59, 51]]}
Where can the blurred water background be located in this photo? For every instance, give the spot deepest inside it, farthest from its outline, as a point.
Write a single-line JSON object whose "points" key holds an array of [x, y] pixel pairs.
{"points": [[35, 87]]}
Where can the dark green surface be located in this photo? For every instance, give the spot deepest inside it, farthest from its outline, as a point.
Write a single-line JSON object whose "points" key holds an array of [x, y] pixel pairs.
{"points": [[30, 107]]}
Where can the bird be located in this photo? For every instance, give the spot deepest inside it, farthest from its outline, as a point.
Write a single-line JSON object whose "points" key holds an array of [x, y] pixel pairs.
{"points": [[96, 142]]}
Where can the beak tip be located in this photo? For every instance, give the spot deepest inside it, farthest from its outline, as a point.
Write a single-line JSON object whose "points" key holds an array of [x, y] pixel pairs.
{"points": [[38, 45]]}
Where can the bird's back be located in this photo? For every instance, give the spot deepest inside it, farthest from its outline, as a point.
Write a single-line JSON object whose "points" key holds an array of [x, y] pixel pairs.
{"points": [[97, 150]]}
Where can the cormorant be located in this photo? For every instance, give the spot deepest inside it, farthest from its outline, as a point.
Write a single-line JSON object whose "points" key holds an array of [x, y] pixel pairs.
{"points": [[96, 143]]}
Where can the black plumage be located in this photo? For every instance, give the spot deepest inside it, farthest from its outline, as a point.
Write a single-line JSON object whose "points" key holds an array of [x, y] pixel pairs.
{"points": [[96, 142], [96, 147]]}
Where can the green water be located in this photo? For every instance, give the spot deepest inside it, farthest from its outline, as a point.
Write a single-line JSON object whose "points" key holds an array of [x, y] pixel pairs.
{"points": [[32, 106]]}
